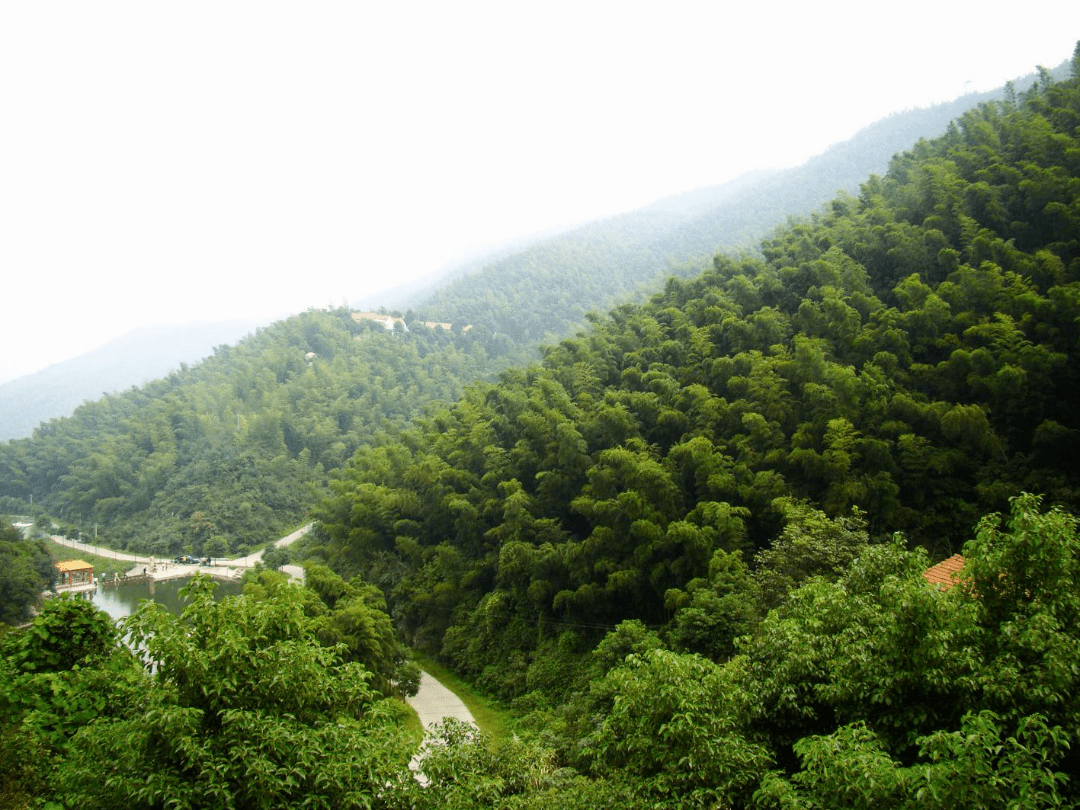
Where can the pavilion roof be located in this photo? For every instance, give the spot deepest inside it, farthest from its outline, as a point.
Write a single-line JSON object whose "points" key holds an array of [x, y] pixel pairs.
{"points": [[73, 565]]}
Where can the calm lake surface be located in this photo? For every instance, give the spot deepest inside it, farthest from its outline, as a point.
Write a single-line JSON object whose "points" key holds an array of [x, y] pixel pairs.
{"points": [[122, 600]]}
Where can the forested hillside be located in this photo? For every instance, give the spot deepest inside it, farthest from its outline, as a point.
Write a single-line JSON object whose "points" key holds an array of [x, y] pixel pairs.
{"points": [[232, 451], [688, 548], [904, 361], [543, 292], [236, 449]]}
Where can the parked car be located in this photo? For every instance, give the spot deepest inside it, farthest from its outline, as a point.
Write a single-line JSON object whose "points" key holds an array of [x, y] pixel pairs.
{"points": [[186, 559]]}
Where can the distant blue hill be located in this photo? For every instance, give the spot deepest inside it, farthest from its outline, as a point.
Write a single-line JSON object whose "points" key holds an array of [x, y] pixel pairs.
{"points": [[138, 357]]}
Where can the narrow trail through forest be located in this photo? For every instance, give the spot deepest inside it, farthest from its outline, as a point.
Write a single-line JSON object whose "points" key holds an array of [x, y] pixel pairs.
{"points": [[433, 703]]}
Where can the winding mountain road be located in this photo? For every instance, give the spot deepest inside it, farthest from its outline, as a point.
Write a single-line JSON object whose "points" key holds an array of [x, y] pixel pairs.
{"points": [[235, 563]]}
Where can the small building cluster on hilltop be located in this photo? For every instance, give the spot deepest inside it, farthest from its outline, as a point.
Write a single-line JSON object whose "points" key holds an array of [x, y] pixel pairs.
{"points": [[388, 321]]}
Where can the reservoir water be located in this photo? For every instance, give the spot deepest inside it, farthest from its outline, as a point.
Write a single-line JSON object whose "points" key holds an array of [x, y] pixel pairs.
{"points": [[123, 599]]}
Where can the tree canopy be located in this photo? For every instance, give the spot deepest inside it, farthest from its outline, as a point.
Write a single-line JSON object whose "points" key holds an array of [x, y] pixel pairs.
{"points": [[903, 361], [687, 547], [26, 569], [239, 705]]}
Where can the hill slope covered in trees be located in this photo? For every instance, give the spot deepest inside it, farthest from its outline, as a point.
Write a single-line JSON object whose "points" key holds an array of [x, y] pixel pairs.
{"points": [[543, 292], [664, 545], [237, 448], [905, 361]]}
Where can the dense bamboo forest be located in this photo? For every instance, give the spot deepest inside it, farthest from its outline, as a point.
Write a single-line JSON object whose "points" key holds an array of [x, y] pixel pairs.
{"points": [[686, 549], [200, 456], [902, 362]]}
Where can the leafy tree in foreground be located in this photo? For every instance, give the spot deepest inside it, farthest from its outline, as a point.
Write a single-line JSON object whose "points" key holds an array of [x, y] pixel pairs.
{"points": [[355, 617], [61, 673], [244, 709], [878, 690], [25, 571], [464, 769], [810, 545], [874, 689], [678, 726]]}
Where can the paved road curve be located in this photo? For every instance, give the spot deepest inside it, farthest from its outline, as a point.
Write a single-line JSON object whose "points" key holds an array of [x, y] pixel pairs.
{"points": [[434, 702], [139, 559]]}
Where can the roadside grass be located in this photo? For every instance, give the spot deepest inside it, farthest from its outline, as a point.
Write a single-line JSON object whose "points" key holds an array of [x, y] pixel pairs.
{"points": [[493, 720], [103, 566], [410, 721]]}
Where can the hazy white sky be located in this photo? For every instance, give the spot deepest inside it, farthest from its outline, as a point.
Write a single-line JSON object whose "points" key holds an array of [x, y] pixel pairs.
{"points": [[171, 162]]}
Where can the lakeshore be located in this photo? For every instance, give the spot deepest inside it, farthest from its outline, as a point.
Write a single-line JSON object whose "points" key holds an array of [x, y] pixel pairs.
{"points": [[163, 571], [155, 569]]}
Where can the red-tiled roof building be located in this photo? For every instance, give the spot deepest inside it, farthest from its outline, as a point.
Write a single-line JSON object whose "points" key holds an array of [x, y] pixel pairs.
{"points": [[946, 573]]}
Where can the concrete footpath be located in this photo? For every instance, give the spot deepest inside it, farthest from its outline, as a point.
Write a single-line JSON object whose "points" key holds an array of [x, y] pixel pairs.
{"points": [[433, 703]]}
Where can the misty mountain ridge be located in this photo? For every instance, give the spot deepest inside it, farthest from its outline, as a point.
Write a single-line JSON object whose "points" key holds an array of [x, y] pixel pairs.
{"points": [[624, 258], [619, 258], [142, 355]]}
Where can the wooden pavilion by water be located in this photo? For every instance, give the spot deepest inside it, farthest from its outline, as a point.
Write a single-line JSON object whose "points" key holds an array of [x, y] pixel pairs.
{"points": [[76, 576]]}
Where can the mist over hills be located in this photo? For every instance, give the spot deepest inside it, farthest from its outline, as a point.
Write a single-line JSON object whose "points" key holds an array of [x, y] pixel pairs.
{"points": [[543, 292], [531, 290], [135, 358], [687, 549]]}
